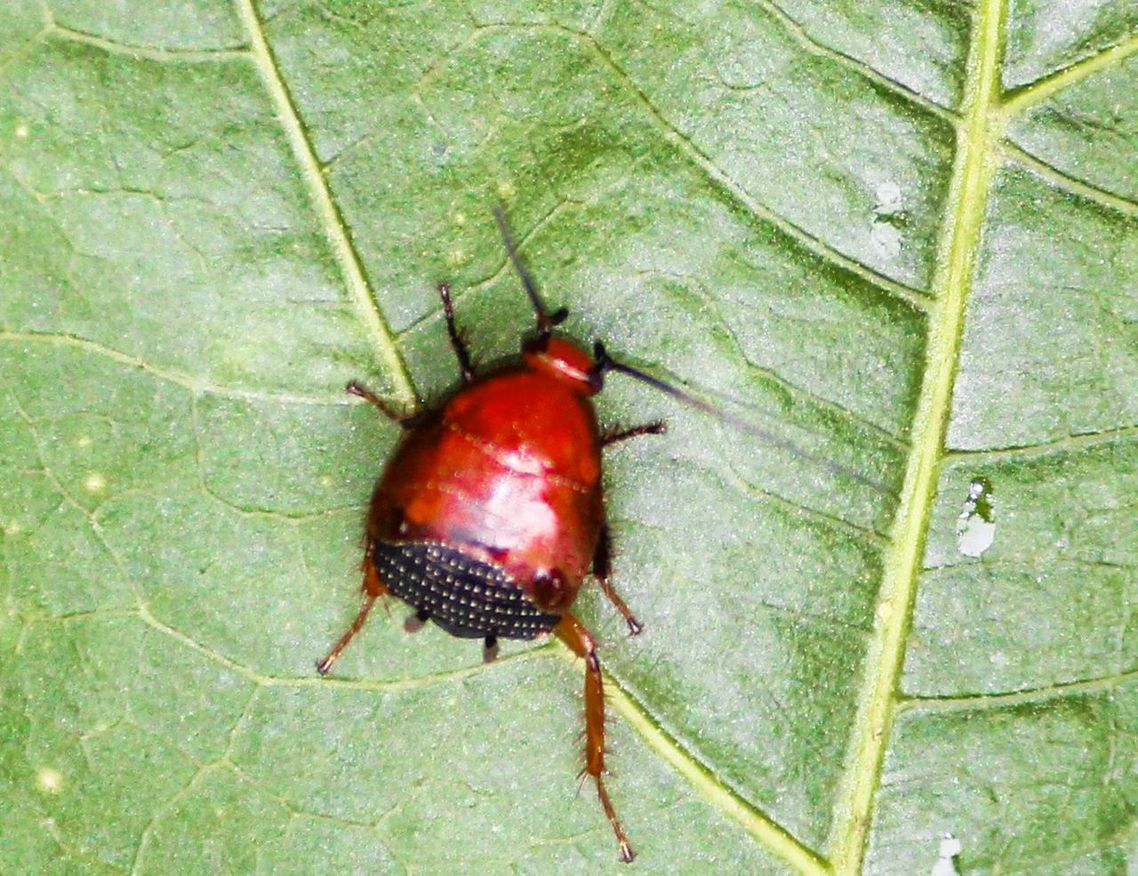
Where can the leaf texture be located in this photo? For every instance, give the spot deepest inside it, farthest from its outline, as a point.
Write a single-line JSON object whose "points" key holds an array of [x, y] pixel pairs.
{"points": [[897, 240]]}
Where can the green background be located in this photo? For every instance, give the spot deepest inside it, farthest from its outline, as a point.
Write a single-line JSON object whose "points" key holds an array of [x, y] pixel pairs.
{"points": [[898, 240]]}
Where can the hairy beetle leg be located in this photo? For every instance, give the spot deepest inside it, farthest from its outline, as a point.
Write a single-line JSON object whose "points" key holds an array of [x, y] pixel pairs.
{"points": [[602, 558], [325, 665], [373, 589], [581, 642], [602, 569]]}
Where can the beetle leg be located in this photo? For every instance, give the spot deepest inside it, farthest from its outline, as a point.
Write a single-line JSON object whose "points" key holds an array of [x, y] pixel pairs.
{"points": [[407, 421], [325, 665], [570, 631], [416, 621], [614, 435], [373, 589], [465, 366], [602, 568], [489, 649]]}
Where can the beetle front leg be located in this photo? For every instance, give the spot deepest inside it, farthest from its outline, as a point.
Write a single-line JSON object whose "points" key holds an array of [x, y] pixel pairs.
{"points": [[407, 421], [602, 568], [465, 366], [570, 631]]}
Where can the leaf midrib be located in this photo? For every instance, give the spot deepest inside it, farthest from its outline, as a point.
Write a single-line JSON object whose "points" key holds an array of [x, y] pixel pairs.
{"points": [[973, 169], [980, 146]]}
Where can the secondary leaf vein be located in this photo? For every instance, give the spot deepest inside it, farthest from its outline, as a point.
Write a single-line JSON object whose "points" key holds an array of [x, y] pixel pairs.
{"points": [[335, 228]]}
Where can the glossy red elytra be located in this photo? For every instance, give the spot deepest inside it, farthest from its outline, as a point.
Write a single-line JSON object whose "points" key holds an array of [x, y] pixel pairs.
{"points": [[489, 514]]}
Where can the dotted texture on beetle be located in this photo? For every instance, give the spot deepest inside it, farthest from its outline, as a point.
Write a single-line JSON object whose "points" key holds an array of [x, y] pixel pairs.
{"points": [[464, 596]]}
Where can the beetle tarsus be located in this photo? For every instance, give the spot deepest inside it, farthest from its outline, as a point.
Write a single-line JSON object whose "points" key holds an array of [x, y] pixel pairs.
{"points": [[602, 565], [627, 855]]}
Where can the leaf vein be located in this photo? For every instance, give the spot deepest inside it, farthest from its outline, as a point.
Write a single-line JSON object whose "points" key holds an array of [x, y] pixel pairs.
{"points": [[149, 53], [335, 229], [1088, 441], [1027, 96], [1072, 184], [972, 175]]}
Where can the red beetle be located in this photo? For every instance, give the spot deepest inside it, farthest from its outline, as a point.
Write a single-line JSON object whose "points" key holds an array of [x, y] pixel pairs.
{"points": [[490, 513]]}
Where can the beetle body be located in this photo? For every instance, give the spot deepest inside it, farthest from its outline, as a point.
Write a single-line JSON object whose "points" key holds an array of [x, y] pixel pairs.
{"points": [[508, 473], [489, 515]]}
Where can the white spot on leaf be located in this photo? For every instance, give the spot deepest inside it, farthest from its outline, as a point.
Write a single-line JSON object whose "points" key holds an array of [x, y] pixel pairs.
{"points": [[946, 858], [976, 525], [49, 780]]}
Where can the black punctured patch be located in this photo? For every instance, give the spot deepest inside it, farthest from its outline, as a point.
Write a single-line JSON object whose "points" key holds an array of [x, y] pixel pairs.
{"points": [[464, 596]]}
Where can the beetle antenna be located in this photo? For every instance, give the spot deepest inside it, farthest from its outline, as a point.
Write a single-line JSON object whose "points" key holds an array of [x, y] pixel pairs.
{"points": [[545, 321], [604, 362]]}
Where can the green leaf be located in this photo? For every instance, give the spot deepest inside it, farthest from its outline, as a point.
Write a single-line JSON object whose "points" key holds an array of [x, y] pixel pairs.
{"points": [[887, 599]]}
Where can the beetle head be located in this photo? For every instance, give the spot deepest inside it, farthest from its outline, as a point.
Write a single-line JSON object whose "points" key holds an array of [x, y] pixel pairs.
{"points": [[564, 360]]}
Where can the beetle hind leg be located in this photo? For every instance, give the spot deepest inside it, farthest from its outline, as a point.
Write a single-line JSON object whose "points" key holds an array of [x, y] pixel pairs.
{"points": [[602, 568], [580, 641]]}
